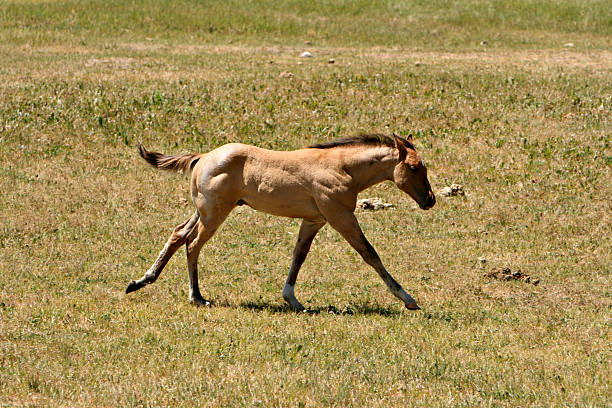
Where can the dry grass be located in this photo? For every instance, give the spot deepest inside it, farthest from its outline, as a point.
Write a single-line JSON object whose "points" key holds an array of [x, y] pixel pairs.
{"points": [[527, 132]]}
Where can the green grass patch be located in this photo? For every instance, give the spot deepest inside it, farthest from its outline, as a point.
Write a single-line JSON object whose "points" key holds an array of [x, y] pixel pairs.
{"points": [[422, 24]]}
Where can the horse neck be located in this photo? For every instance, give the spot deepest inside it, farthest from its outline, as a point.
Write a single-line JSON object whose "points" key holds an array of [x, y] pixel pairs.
{"points": [[371, 166]]}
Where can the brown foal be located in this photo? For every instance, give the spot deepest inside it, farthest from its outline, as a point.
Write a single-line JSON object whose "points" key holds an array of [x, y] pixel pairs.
{"points": [[318, 184]]}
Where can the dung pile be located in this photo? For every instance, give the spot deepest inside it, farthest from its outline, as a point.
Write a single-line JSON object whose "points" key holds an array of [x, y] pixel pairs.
{"points": [[505, 274], [452, 190], [373, 204]]}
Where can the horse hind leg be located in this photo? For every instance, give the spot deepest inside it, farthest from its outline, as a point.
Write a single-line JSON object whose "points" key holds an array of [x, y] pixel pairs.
{"points": [[205, 229], [179, 237], [195, 242], [192, 250]]}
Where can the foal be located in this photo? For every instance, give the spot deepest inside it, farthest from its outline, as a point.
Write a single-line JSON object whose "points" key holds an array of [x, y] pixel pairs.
{"points": [[318, 184]]}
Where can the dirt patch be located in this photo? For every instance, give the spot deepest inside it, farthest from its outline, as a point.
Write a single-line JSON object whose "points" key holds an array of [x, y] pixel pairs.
{"points": [[111, 62], [593, 59]]}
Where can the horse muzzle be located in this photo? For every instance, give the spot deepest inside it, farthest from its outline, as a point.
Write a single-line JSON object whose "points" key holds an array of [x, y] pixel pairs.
{"points": [[428, 202]]}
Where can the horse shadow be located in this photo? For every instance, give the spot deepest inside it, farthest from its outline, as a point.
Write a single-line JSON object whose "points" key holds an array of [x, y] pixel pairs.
{"points": [[356, 309]]}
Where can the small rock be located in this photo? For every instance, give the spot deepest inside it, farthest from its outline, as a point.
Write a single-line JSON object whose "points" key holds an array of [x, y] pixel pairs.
{"points": [[418, 64], [306, 54], [568, 44], [482, 261], [331, 61], [484, 42], [286, 74], [453, 190], [373, 204]]}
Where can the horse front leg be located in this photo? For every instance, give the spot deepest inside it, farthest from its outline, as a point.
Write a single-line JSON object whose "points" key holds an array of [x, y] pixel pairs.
{"points": [[178, 238], [308, 230], [347, 225]]}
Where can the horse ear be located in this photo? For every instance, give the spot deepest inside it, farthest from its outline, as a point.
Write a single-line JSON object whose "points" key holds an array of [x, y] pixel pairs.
{"points": [[409, 138], [400, 146]]}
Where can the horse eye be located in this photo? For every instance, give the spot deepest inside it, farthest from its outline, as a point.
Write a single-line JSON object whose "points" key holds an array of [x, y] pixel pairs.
{"points": [[414, 168]]}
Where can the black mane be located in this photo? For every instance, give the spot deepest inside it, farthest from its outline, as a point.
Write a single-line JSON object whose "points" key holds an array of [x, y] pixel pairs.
{"points": [[374, 139]]}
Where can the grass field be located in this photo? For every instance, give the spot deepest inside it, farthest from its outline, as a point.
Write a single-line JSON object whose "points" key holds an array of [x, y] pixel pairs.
{"points": [[512, 100]]}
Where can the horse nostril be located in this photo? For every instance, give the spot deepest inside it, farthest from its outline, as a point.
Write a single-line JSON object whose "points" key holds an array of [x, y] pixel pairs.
{"points": [[431, 200]]}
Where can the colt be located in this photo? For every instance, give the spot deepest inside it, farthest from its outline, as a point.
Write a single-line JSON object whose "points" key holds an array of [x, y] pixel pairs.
{"points": [[318, 184]]}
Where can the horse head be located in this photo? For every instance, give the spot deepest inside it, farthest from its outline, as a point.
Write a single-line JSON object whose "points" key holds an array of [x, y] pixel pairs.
{"points": [[410, 174]]}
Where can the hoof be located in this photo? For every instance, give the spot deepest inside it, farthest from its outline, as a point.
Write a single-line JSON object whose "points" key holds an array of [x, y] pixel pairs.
{"points": [[134, 286], [200, 302], [412, 306], [295, 305]]}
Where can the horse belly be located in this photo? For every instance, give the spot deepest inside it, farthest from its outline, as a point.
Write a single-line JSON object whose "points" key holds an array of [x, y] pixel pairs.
{"points": [[285, 205]]}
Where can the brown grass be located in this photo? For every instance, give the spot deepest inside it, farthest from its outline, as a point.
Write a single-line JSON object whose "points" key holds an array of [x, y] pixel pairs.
{"points": [[526, 132]]}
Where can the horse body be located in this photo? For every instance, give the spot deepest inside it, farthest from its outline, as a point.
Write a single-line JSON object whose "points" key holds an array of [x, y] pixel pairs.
{"points": [[318, 184], [270, 178]]}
